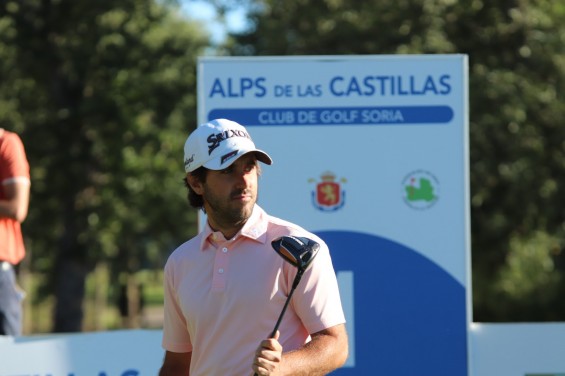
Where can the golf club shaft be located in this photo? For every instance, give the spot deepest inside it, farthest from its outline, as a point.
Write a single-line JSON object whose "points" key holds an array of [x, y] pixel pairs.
{"points": [[295, 283], [281, 315]]}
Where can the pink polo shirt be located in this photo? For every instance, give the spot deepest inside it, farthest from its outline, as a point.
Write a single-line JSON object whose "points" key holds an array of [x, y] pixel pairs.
{"points": [[223, 297]]}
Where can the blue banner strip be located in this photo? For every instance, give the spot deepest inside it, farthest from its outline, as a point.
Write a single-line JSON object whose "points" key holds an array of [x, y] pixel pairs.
{"points": [[336, 115]]}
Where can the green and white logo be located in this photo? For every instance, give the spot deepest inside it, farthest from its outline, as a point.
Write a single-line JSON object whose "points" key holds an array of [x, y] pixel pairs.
{"points": [[420, 189]]}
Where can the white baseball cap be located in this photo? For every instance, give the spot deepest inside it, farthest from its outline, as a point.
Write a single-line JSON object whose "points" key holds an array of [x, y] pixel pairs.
{"points": [[217, 144]]}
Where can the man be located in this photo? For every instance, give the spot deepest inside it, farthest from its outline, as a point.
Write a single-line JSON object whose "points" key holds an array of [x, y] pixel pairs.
{"points": [[225, 288], [14, 200]]}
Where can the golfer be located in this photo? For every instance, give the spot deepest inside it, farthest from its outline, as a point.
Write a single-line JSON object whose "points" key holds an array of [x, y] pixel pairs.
{"points": [[225, 288]]}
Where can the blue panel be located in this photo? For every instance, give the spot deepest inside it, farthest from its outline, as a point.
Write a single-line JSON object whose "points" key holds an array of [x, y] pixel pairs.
{"points": [[399, 115], [410, 315]]}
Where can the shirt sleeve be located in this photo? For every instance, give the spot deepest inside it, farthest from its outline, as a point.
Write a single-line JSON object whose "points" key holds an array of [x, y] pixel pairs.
{"points": [[14, 165], [317, 300], [175, 333]]}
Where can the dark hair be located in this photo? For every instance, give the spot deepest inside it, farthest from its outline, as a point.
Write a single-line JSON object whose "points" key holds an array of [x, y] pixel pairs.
{"points": [[194, 199]]}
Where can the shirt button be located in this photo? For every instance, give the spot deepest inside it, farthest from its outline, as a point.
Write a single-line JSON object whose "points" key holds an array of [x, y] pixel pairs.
{"points": [[221, 270], [225, 250]]}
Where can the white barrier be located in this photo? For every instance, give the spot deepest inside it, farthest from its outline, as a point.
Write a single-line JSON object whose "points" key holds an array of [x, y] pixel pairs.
{"points": [[525, 349], [119, 353]]}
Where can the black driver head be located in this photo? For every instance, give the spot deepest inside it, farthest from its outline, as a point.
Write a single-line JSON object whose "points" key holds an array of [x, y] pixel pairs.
{"points": [[298, 251]]}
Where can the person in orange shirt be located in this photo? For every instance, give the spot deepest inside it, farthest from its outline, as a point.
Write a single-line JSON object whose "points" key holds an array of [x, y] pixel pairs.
{"points": [[14, 201]]}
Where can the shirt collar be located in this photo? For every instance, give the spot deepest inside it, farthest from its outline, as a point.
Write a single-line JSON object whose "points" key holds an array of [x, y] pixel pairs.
{"points": [[255, 229]]}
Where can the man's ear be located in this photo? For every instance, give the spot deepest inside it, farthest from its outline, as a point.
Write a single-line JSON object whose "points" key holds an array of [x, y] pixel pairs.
{"points": [[194, 183]]}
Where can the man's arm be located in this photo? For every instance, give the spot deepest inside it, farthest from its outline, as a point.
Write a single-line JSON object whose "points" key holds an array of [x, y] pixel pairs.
{"points": [[16, 201], [326, 352], [176, 364]]}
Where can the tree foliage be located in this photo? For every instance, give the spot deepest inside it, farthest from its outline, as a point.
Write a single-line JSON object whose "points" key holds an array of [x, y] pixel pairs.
{"points": [[103, 94], [516, 52]]}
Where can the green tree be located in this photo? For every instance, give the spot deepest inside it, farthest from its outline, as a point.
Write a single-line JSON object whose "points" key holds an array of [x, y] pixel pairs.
{"points": [[103, 93], [517, 86]]}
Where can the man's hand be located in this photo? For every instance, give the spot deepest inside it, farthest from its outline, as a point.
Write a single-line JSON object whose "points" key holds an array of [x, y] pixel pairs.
{"points": [[268, 357]]}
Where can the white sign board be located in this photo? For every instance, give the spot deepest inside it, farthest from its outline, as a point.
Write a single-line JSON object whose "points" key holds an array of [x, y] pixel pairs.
{"points": [[116, 353], [370, 152], [518, 349]]}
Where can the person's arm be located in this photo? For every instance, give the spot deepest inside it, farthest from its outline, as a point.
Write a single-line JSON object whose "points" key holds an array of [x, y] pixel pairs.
{"points": [[176, 364], [326, 352], [16, 201]]}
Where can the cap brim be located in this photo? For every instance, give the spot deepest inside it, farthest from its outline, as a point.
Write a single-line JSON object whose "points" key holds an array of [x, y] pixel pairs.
{"points": [[263, 157]]}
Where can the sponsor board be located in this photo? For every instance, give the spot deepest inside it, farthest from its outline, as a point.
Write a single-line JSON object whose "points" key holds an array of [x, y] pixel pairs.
{"points": [[370, 152]]}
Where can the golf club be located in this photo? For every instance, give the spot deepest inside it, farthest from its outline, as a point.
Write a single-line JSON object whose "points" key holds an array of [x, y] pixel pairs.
{"points": [[299, 252]]}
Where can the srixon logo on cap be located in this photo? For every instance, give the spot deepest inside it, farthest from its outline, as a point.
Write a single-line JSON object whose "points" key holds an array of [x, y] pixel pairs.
{"points": [[214, 140], [188, 161]]}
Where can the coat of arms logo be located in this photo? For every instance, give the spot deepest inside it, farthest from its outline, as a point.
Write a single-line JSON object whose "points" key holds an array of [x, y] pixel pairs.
{"points": [[328, 194]]}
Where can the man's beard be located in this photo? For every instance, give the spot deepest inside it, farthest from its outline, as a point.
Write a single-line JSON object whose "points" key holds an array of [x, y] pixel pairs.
{"points": [[230, 216]]}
